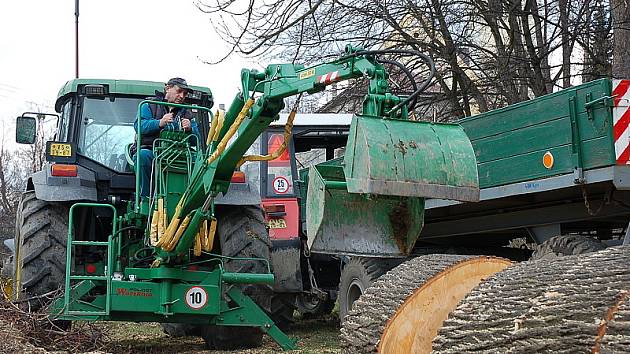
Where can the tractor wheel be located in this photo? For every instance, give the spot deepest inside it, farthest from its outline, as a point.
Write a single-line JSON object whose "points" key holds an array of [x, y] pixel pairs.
{"points": [[310, 306], [358, 274], [41, 233], [566, 245], [242, 233]]}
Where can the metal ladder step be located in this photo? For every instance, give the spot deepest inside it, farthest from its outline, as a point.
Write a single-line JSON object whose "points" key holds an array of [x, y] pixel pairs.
{"points": [[87, 281], [88, 277], [89, 243], [87, 313]]}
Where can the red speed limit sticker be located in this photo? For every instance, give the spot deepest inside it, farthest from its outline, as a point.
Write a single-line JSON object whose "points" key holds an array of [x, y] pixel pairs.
{"points": [[280, 185]]}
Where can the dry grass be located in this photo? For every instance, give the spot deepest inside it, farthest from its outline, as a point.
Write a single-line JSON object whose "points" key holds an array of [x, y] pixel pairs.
{"points": [[24, 332], [313, 336]]}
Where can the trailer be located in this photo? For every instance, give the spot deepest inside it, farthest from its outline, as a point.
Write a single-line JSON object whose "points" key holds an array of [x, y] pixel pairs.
{"points": [[553, 172], [556, 165]]}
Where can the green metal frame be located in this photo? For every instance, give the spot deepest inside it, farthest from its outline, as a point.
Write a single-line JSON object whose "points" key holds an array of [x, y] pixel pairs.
{"points": [[158, 294], [572, 124], [139, 138], [107, 276]]}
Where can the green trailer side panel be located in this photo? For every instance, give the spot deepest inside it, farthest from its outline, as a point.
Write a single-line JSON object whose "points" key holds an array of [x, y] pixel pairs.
{"points": [[509, 143], [512, 169]]}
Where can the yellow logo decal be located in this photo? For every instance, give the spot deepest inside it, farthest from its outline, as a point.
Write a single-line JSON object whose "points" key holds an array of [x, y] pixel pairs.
{"points": [[306, 74]]}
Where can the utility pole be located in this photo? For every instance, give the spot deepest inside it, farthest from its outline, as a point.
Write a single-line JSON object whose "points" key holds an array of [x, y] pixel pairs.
{"points": [[76, 38]]}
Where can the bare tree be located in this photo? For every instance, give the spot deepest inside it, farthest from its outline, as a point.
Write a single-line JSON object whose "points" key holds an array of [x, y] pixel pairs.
{"points": [[13, 173], [488, 53], [597, 43], [621, 24]]}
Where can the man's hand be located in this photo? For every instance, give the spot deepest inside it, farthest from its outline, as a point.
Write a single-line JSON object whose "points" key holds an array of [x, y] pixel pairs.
{"points": [[186, 124], [167, 118]]}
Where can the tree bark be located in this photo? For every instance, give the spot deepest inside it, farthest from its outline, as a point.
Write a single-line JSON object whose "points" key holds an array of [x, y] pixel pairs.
{"points": [[621, 38], [390, 316], [572, 304], [566, 46]]}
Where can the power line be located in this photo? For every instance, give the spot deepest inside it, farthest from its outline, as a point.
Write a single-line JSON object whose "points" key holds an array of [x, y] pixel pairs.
{"points": [[8, 87]]}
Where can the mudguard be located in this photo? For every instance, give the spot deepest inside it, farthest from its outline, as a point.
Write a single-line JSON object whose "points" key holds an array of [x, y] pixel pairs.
{"points": [[59, 189]]}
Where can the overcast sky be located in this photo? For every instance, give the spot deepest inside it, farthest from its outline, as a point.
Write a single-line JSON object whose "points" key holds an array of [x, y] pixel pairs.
{"points": [[138, 39]]}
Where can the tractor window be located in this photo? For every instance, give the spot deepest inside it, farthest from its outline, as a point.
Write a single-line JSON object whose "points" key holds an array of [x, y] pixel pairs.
{"points": [[107, 128], [64, 120]]}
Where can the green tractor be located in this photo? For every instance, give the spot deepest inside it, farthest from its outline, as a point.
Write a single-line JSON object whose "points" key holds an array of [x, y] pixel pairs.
{"points": [[196, 252]]}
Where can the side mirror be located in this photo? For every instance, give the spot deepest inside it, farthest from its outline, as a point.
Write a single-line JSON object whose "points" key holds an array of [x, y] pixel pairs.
{"points": [[25, 130]]}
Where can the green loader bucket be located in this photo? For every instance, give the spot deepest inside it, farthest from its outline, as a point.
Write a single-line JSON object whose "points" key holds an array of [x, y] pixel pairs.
{"points": [[410, 159], [339, 222], [373, 202]]}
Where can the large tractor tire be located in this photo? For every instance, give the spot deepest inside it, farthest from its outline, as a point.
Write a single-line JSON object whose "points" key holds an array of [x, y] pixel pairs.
{"points": [[572, 304], [358, 275], [566, 245], [40, 261], [242, 233], [404, 309]]}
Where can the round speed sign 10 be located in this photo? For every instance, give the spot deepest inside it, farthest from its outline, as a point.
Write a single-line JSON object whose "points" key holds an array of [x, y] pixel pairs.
{"points": [[196, 297]]}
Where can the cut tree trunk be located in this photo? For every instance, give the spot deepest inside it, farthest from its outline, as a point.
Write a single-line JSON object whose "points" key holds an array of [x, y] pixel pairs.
{"points": [[399, 312], [572, 304]]}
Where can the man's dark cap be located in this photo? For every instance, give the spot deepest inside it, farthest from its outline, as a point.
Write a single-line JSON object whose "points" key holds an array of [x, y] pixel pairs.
{"points": [[179, 82]]}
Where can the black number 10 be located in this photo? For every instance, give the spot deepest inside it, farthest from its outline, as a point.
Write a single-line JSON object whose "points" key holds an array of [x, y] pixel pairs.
{"points": [[195, 298]]}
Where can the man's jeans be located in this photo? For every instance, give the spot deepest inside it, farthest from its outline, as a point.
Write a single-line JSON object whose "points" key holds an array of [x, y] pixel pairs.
{"points": [[146, 160]]}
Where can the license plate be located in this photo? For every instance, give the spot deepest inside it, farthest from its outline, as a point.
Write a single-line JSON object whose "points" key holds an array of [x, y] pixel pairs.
{"points": [[277, 224], [64, 150]]}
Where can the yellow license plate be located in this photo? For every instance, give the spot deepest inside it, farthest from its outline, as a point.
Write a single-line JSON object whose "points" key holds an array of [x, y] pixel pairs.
{"points": [[277, 224], [64, 150]]}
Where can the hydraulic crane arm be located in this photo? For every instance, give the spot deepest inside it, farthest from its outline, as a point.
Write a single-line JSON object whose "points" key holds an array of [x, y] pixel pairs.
{"points": [[280, 81], [386, 153]]}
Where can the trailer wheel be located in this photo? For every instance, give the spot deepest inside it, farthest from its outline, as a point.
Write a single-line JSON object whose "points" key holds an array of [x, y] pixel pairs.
{"points": [[282, 308], [310, 306], [566, 245], [358, 274], [242, 233]]}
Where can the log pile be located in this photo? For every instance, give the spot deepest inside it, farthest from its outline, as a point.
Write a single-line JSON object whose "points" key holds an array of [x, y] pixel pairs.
{"points": [[571, 304], [390, 316]]}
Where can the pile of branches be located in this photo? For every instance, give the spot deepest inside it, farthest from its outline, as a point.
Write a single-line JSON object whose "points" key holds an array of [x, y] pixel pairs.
{"points": [[34, 332]]}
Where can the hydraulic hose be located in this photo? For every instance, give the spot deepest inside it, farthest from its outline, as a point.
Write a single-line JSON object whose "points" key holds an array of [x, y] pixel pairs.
{"points": [[287, 135], [409, 75], [428, 61]]}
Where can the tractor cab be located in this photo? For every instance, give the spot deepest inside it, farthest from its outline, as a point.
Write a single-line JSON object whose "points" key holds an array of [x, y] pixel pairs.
{"points": [[89, 157]]}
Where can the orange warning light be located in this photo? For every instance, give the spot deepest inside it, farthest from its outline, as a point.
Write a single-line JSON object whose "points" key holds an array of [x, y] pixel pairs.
{"points": [[548, 160]]}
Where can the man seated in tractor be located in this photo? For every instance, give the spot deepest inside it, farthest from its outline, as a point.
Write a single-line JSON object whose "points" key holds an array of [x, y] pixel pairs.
{"points": [[155, 118]]}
